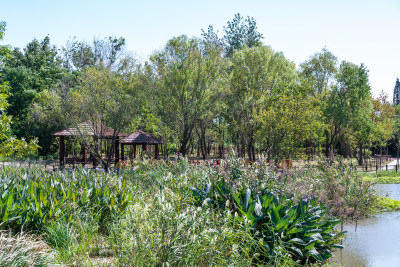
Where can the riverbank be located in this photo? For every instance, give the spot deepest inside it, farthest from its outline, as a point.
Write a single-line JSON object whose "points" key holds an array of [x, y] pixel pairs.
{"points": [[385, 184]]}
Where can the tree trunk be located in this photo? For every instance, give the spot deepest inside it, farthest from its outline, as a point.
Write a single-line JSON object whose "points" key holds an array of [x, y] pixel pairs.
{"points": [[360, 158]]}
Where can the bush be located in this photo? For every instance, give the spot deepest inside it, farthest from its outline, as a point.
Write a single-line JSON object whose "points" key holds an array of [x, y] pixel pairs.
{"points": [[337, 185]]}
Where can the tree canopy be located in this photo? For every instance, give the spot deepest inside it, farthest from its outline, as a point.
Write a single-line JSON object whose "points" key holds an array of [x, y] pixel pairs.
{"points": [[196, 94]]}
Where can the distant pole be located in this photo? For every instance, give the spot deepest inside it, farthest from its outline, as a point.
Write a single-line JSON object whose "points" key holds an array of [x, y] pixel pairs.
{"points": [[397, 148]]}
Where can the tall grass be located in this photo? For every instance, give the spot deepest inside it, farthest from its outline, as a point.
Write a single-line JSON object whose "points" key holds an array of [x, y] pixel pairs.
{"points": [[23, 250], [147, 214]]}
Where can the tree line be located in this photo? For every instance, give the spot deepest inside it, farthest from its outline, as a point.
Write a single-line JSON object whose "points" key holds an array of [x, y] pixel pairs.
{"points": [[194, 93]]}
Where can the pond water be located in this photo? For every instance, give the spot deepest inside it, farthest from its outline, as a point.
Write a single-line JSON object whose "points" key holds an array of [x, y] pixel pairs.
{"points": [[375, 241], [388, 190]]}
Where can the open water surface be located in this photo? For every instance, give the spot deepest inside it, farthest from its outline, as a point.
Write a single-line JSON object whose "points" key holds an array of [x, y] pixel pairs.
{"points": [[376, 240]]}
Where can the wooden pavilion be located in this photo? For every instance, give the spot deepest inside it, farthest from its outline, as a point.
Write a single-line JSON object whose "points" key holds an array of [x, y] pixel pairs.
{"points": [[85, 129], [140, 138]]}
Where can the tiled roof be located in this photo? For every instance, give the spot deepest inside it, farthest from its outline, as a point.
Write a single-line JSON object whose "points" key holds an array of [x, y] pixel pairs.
{"points": [[140, 137], [88, 130]]}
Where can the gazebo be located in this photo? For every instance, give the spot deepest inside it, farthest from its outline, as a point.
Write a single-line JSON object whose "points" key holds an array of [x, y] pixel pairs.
{"points": [[140, 138], [88, 130]]}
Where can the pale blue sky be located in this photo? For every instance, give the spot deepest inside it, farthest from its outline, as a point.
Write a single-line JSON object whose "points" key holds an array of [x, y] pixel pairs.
{"points": [[357, 31]]}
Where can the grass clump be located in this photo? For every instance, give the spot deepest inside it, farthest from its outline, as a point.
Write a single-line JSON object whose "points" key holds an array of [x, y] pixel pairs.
{"points": [[383, 179], [23, 250]]}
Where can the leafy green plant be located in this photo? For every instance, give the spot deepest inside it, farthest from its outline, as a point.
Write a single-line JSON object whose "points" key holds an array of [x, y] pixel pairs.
{"points": [[301, 228], [384, 204], [34, 199]]}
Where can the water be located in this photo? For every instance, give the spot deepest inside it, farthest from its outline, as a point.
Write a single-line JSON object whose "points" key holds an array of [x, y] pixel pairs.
{"points": [[388, 190], [375, 242]]}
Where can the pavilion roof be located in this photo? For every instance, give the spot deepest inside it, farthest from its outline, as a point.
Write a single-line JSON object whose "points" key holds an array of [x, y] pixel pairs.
{"points": [[140, 137], [88, 129]]}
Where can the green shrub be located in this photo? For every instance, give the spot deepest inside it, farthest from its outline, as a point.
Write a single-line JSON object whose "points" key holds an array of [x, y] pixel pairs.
{"points": [[337, 185]]}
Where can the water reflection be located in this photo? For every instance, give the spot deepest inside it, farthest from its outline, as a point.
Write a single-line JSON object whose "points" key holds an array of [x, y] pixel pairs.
{"points": [[375, 242]]}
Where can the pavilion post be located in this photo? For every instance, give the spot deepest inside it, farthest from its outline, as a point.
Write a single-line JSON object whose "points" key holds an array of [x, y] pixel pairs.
{"points": [[122, 152], [96, 148], [116, 150], [156, 152], [62, 151], [84, 154], [134, 151]]}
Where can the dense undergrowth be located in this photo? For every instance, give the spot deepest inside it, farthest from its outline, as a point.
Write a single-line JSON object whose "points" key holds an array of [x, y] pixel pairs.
{"points": [[154, 213]]}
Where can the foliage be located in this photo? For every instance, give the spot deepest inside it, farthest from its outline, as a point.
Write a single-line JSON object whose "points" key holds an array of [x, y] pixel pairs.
{"points": [[29, 72], [383, 179], [33, 199], [8, 144], [384, 204], [301, 228], [239, 34], [348, 106], [187, 75], [106, 53], [290, 120], [99, 99], [256, 74], [318, 72]]}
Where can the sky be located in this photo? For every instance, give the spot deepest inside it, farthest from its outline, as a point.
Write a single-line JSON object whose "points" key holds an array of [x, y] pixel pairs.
{"points": [[356, 31]]}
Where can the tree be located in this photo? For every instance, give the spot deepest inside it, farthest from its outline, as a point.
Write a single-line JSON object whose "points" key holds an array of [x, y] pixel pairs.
{"points": [[29, 72], [255, 73], [348, 103], [383, 120], [185, 77], [107, 53], [98, 99], [319, 71], [290, 120], [396, 93], [239, 33], [8, 144]]}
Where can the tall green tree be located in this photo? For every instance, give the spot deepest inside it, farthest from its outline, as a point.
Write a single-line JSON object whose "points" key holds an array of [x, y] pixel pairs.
{"points": [[106, 53], [8, 144], [384, 122], [348, 104], [28, 72], [318, 73], [239, 33], [255, 73], [291, 119], [186, 74]]}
